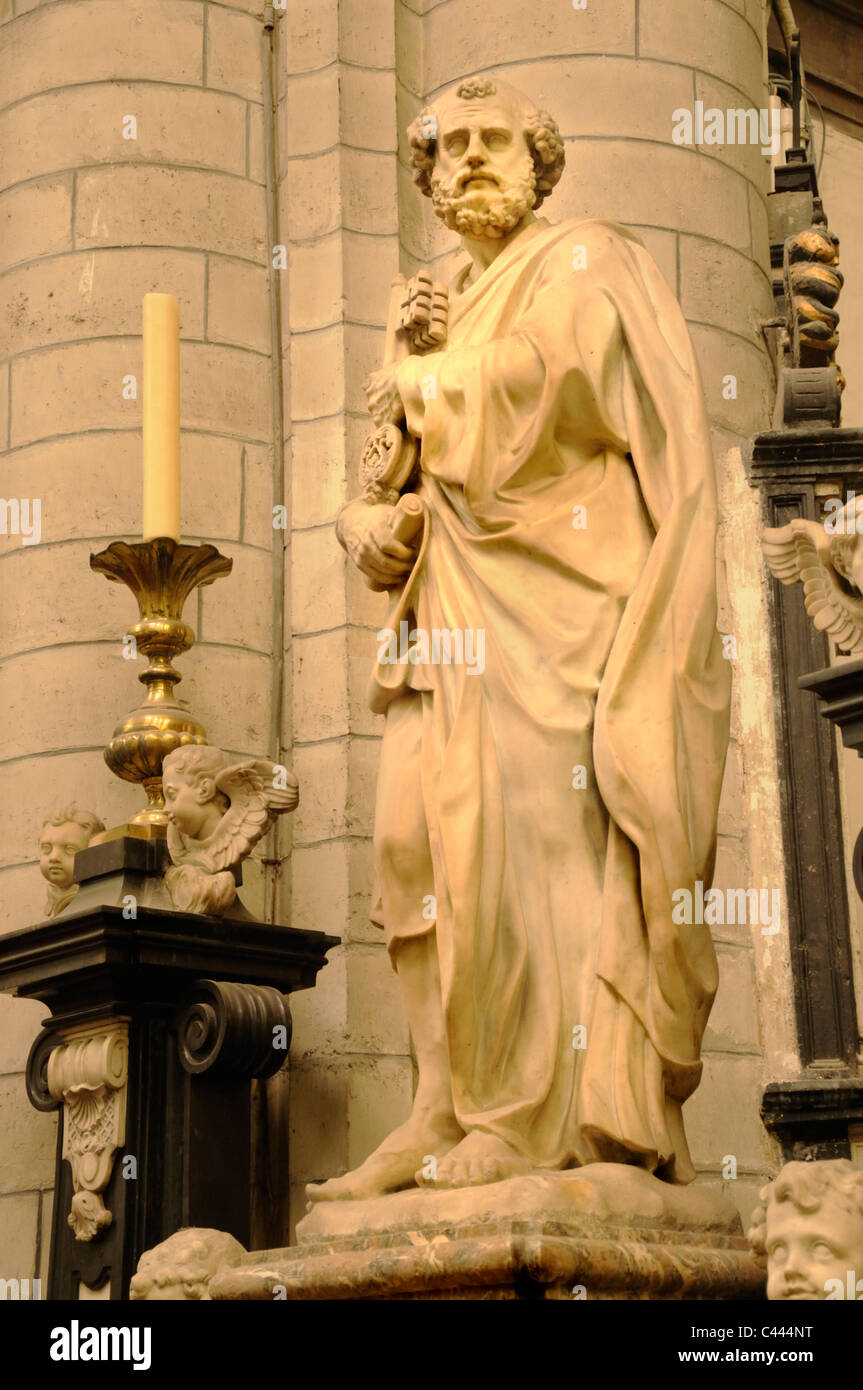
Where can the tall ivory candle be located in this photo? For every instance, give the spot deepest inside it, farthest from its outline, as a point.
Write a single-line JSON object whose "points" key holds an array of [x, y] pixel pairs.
{"points": [[161, 400]]}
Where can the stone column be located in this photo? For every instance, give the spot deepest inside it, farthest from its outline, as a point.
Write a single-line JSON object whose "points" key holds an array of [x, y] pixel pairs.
{"points": [[131, 159], [351, 1076]]}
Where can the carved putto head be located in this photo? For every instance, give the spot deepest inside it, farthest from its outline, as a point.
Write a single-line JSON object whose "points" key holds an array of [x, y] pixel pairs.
{"points": [[218, 808], [181, 1267], [64, 833], [809, 1227], [193, 801], [485, 122], [846, 553]]}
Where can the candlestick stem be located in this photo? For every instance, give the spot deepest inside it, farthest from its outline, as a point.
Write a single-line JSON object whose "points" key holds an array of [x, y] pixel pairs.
{"points": [[161, 575]]}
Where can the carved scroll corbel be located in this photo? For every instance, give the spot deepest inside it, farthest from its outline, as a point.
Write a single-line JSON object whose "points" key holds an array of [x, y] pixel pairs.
{"points": [[234, 1030], [88, 1072]]}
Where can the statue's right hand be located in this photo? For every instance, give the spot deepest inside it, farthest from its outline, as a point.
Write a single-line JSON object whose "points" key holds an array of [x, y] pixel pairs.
{"points": [[366, 534]]}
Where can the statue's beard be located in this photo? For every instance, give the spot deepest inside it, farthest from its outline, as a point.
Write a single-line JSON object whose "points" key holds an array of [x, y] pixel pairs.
{"points": [[483, 212]]}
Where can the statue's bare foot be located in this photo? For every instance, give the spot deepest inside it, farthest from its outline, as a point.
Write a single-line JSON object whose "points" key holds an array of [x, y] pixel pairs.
{"points": [[479, 1158], [394, 1163]]}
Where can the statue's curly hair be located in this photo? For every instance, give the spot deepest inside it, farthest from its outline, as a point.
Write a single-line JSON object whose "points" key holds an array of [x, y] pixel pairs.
{"points": [[195, 761], [806, 1185], [88, 820], [845, 528], [189, 1258], [544, 140]]}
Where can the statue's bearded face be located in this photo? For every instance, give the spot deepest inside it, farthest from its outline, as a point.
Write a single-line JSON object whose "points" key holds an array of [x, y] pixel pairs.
{"points": [[484, 180]]}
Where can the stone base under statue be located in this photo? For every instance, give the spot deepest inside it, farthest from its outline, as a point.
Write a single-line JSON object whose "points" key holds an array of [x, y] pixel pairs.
{"points": [[606, 1231]]}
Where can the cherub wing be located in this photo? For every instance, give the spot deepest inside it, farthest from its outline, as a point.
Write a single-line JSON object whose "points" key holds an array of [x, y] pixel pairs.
{"points": [[786, 546], [253, 790], [800, 551]]}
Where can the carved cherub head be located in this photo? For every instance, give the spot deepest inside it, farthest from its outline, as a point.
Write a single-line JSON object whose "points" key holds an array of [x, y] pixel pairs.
{"points": [[845, 529], [810, 1228], [181, 1267], [63, 834], [485, 155], [193, 802], [218, 808]]}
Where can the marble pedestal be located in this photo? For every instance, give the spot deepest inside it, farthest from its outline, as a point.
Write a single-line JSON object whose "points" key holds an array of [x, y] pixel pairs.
{"points": [[606, 1231]]}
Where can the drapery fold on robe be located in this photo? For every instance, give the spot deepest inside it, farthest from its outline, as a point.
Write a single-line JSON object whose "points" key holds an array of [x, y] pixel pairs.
{"points": [[571, 515]]}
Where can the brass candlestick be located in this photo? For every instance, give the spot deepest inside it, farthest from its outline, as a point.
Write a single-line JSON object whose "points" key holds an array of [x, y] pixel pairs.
{"points": [[161, 574]]}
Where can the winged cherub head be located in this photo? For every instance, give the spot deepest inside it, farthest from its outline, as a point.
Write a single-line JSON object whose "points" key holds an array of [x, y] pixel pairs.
{"points": [[845, 528], [218, 808], [193, 802]]}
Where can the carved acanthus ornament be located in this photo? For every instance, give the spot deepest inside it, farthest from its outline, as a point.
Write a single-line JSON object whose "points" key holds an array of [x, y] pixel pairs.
{"points": [[88, 1073]]}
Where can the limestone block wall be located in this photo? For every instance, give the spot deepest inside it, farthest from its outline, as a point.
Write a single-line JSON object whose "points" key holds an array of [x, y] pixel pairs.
{"points": [[89, 222]]}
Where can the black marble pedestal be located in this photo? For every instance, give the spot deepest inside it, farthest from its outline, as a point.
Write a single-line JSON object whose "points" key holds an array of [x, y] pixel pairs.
{"points": [[205, 1002]]}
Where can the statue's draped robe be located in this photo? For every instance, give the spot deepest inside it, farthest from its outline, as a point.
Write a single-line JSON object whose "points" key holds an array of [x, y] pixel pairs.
{"points": [[553, 803]]}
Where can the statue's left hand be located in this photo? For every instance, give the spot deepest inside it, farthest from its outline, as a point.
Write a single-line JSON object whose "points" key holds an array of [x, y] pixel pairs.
{"points": [[382, 392]]}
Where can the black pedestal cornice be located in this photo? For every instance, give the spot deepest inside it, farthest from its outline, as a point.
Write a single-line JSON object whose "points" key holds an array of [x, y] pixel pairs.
{"points": [[85, 966], [805, 456], [841, 691], [811, 1117]]}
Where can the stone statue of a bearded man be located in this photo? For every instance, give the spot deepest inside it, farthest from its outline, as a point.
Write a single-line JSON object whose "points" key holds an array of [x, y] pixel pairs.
{"points": [[549, 805]]}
